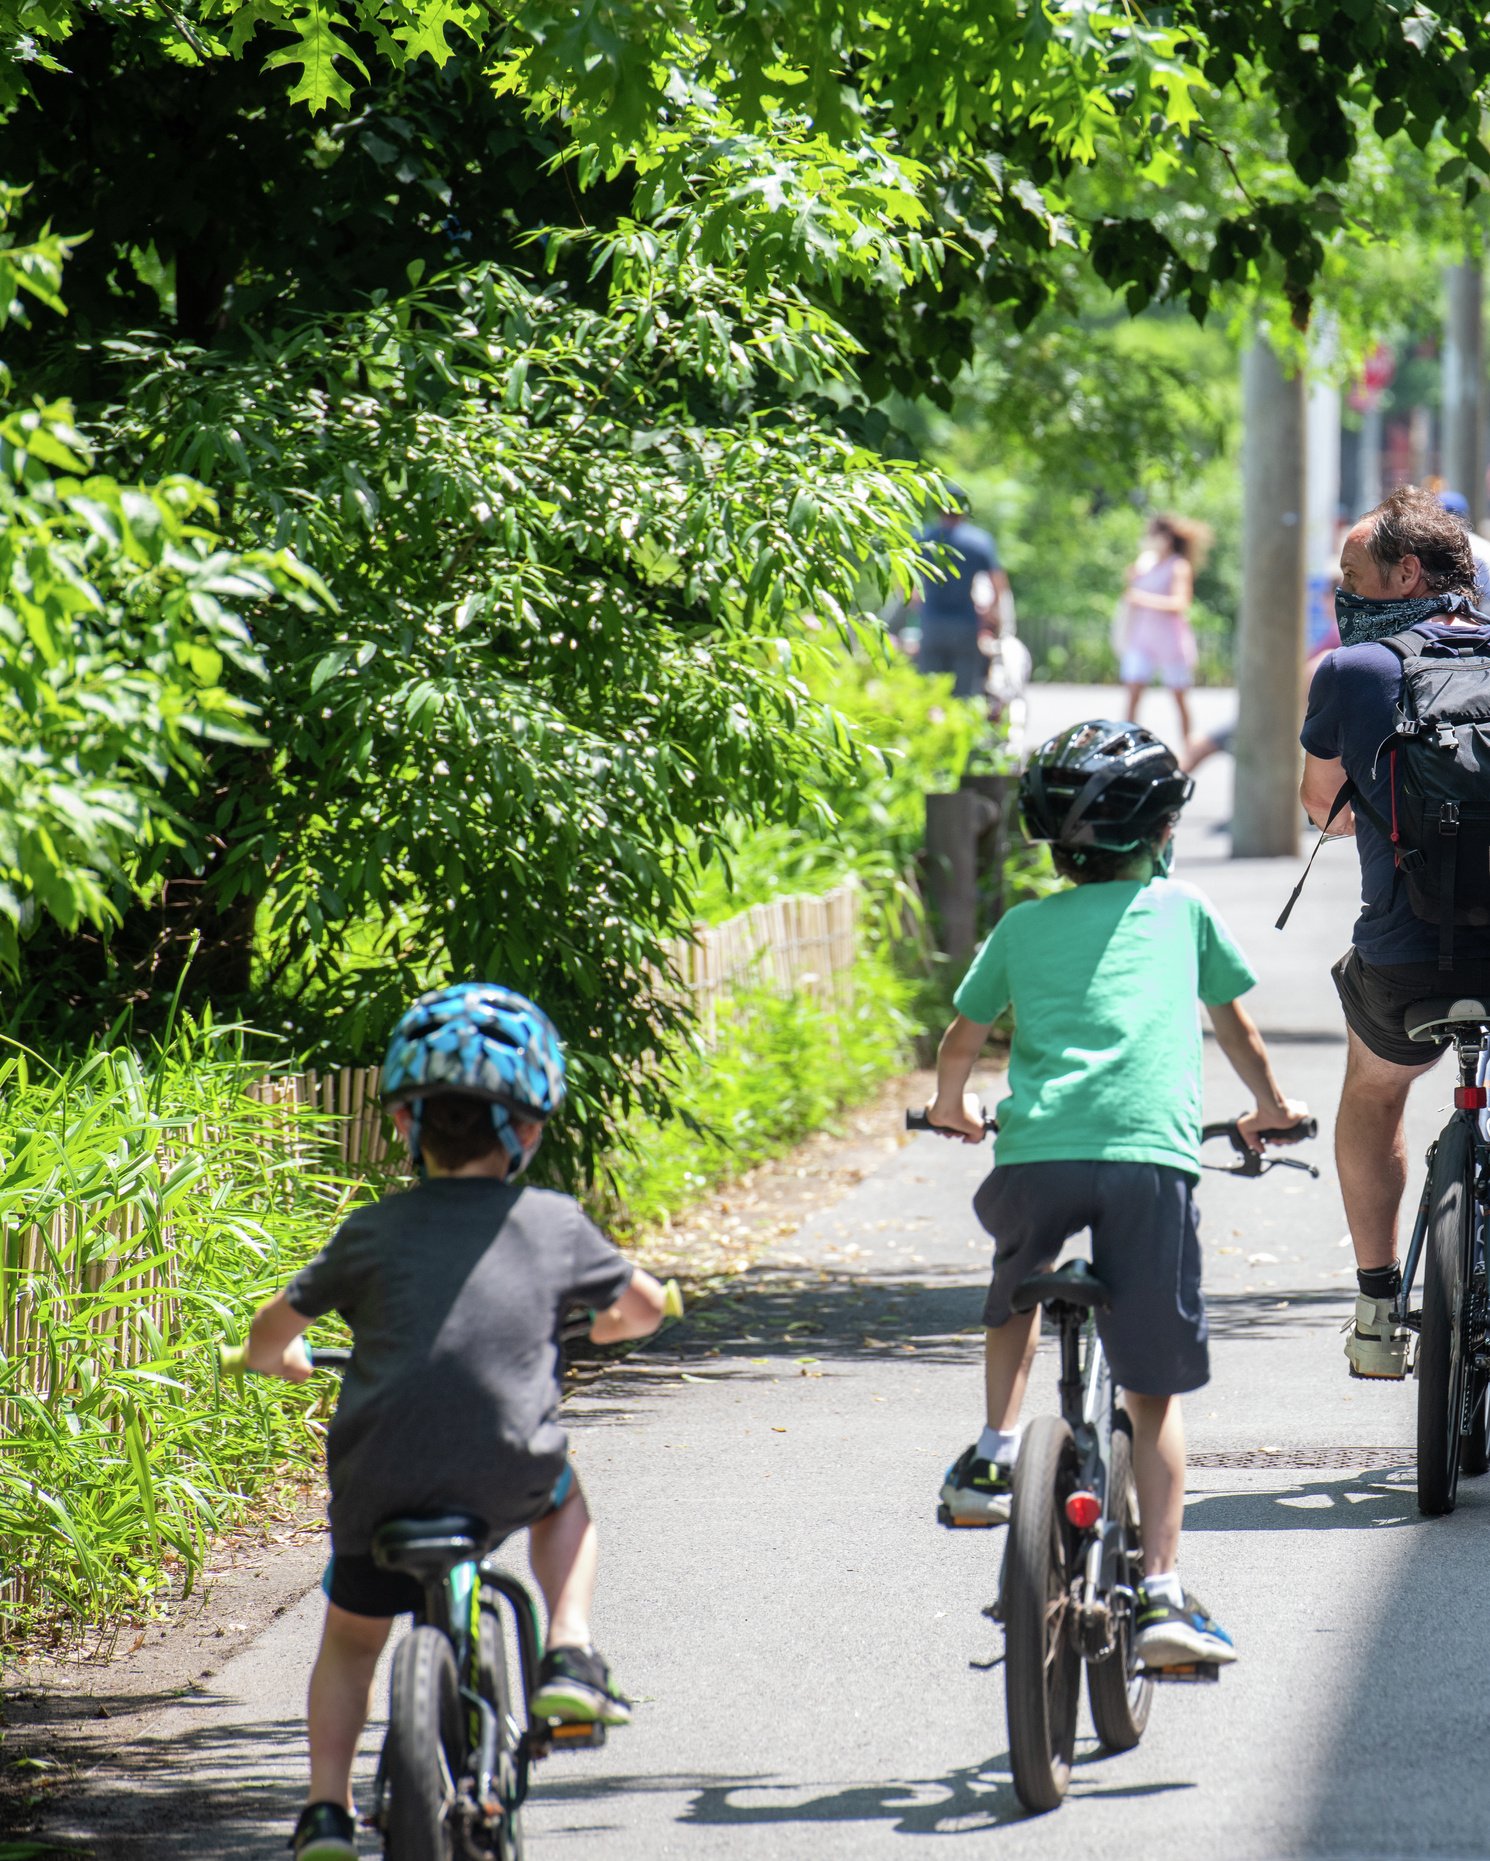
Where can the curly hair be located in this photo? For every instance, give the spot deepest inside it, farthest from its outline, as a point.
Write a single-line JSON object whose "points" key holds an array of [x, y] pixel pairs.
{"points": [[1411, 522]]}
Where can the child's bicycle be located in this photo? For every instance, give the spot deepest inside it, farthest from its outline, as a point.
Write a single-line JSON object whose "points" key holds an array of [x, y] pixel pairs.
{"points": [[1073, 1558], [458, 1754]]}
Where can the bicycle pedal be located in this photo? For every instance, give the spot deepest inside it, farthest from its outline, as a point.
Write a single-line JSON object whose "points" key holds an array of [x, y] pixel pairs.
{"points": [[574, 1734], [1191, 1673]]}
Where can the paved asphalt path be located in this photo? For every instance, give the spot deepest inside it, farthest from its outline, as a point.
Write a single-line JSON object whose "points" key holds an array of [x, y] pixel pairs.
{"points": [[798, 1632]]}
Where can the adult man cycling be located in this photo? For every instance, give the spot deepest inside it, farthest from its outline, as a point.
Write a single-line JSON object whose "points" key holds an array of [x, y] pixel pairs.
{"points": [[1407, 564]]}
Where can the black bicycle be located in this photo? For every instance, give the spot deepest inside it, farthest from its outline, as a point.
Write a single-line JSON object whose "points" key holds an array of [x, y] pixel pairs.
{"points": [[461, 1743], [1073, 1558], [1448, 1238]]}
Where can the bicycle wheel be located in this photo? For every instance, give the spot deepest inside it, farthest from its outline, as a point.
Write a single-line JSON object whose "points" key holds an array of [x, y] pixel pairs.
{"points": [[1441, 1358], [1119, 1692], [1042, 1666], [492, 1677], [424, 1749]]}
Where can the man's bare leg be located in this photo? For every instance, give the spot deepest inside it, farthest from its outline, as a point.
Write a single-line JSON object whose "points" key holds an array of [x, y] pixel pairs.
{"points": [[1371, 1160], [1371, 1149]]}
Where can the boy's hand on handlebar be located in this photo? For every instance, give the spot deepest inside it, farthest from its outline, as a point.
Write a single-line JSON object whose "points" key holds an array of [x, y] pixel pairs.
{"points": [[954, 1120], [1268, 1120]]}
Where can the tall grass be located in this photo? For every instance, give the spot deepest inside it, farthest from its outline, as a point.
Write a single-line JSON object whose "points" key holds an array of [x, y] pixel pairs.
{"points": [[144, 1211]]}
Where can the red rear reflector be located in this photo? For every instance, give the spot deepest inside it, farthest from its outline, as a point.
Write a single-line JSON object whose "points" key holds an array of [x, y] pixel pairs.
{"points": [[1083, 1510], [1471, 1098]]}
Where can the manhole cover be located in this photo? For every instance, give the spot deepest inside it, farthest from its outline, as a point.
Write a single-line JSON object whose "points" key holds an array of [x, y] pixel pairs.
{"points": [[1362, 1457]]}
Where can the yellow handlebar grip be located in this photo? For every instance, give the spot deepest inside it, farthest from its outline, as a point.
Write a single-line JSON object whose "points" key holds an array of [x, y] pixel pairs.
{"points": [[672, 1300], [233, 1359]]}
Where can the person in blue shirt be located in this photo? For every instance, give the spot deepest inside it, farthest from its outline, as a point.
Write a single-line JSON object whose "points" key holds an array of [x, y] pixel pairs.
{"points": [[967, 605], [1406, 564]]}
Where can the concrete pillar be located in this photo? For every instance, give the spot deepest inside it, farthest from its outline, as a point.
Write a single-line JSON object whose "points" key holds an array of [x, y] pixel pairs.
{"points": [[1370, 492], [1270, 639], [1322, 449], [1463, 462]]}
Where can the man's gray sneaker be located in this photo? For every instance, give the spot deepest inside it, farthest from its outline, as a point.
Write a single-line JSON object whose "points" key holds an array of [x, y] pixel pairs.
{"points": [[1374, 1345]]}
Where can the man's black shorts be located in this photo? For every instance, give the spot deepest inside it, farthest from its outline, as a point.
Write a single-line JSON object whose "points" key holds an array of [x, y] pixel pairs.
{"points": [[1375, 996], [1145, 1250]]}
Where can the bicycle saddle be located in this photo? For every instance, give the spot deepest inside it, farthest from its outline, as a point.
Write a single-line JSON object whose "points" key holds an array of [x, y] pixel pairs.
{"points": [[1073, 1284], [426, 1548], [1430, 1019]]}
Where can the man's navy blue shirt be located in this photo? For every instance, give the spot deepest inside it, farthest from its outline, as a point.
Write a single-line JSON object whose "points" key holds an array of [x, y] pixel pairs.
{"points": [[1352, 711], [969, 551]]}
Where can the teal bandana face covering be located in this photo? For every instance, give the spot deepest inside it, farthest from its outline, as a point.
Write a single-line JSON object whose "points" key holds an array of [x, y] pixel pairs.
{"points": [[1360, 620]]}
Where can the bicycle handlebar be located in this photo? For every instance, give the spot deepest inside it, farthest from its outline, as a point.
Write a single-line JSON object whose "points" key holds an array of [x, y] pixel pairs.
{"points": [[233, 1358], [1252, 1162], [1285, 1133], [918, 1121]]}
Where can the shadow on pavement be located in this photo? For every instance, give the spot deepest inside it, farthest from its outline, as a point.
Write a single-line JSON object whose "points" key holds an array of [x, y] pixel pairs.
{"points": [[970, 1800], [1365, 1501], [230, 1793]]}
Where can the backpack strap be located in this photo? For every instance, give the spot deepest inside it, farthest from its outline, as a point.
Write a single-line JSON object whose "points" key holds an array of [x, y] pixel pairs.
{"points": [[1448, 830], [1347, 791]]}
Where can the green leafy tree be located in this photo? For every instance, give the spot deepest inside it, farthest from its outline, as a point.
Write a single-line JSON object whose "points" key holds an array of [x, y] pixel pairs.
{"points": [[122, 639]]}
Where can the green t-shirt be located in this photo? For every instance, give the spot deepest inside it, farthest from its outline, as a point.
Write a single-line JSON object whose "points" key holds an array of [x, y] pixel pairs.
{"points": [[1104, 981]]}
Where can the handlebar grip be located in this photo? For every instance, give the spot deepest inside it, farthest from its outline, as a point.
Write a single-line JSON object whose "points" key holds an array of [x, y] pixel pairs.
{"points": [[232, 1359], [1306, 1127], [672, 1299], [328, 1357]]}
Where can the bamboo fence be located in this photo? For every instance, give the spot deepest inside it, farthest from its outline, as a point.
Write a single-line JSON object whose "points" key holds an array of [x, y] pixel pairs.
{"points": [[798, 943]]}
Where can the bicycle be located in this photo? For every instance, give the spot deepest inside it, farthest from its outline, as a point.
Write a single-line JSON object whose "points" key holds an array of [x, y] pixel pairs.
{"points": [[1073, 1558], [461, 1743], [1448, 1238]]}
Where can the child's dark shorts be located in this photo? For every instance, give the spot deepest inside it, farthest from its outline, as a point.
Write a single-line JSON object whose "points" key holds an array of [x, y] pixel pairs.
{"points": [[354, 1581], [1145, 1250]]}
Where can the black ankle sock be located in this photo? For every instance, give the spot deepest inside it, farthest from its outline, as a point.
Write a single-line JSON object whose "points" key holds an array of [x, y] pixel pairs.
{"points": [[1379, 1282]]}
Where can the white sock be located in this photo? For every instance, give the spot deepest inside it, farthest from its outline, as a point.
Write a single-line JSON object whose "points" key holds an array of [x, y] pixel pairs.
{"points": [[1000, 1444], [1165, 1584]]}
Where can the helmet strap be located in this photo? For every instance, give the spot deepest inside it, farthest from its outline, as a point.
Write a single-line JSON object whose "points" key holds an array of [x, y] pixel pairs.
{"points": [[519, 1156]]}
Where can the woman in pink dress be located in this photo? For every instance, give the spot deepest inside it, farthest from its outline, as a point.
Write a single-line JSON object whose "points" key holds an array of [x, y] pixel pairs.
{"points": [[1156, 640]]}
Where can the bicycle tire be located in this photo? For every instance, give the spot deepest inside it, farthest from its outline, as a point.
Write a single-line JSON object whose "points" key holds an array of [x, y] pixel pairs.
{"points": [[424, 1750], [1441, 1356], [494, 1683], [1118, 1691], [1042, 1665]]}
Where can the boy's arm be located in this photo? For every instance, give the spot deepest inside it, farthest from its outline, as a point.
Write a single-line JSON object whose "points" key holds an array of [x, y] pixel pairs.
{"points": [[954, 1109], [274, 1347], [636, 1314], [1239, 1040]]}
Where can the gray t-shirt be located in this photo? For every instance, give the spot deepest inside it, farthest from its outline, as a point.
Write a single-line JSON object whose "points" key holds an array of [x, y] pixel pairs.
{"points": [[454, 1292]]}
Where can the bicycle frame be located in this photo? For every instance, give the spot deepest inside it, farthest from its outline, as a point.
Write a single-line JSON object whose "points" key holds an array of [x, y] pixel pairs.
{"points": [[453, 1604], [1087, 1399], [1474, 1070]]}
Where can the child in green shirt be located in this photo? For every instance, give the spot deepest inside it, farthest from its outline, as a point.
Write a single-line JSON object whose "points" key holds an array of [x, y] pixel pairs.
{"points": [[1101, 1127]]}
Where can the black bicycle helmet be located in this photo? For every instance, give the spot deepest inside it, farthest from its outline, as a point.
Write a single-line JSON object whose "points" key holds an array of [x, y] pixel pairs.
{"points": [[1102, 784]]}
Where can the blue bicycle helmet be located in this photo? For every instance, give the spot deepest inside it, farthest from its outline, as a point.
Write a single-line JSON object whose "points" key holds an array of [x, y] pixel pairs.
{"points": [[478, 1040]]}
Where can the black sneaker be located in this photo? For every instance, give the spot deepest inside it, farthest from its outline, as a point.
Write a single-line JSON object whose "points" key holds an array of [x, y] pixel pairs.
{"points": [[975, 1491], [574, 1685], [1171, 1637], [325, 1832]]}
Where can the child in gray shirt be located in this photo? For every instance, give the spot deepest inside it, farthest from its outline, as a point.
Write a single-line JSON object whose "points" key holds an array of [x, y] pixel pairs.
{"points": [[454, 1292]]}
